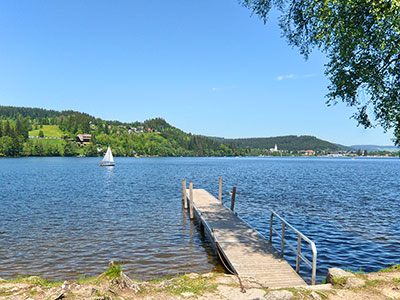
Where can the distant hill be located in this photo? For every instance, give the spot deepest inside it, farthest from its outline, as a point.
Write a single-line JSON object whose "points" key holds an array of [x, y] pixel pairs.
{"points": [[28, 131], [375, 148], [289, 143]]}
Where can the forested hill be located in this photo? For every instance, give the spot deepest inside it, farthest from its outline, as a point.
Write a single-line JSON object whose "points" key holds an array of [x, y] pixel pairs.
{"points": [[40, 132], [288, 143]]}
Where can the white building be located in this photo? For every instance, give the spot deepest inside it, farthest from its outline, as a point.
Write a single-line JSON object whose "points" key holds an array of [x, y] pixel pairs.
{"points": [[275, 149]]}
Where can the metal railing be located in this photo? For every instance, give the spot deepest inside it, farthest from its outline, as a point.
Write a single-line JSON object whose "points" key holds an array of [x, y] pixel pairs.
{"points": [[297, 251]]}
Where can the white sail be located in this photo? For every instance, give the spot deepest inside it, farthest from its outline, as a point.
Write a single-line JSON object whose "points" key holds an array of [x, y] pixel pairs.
{"points": [[108, 157]]}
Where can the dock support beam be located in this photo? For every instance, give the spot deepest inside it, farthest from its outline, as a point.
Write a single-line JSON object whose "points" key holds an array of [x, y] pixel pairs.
{"points": [[233, 198], [220, 190], [184, 197], [191, 200]]}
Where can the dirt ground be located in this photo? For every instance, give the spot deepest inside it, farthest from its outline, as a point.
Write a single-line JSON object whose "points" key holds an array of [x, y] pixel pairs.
{"points": [[115, 285]]}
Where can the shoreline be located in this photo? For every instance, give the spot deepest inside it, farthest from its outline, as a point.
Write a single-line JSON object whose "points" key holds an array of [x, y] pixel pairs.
{"points": [[113, 284]]}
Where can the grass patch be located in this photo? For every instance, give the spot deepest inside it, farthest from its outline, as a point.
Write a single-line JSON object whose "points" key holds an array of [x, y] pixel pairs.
{"points": [[49, 142], [82, 280], [396, 280], [374, 282], [113, 272], [35, 280], [197, 286], [33, 292], [339, 281], [391, 269], [5, 292], [48, 131]]}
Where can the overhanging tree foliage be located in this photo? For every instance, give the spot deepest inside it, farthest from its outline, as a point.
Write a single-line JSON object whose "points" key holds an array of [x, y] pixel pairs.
{"points": [[362, 41]]}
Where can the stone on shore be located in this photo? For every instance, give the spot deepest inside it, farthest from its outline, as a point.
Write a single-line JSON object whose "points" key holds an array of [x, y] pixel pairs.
{"points": [[354, 282], [315, 296], [279, 295], [192, 275], [207, 275], [335, 275]]}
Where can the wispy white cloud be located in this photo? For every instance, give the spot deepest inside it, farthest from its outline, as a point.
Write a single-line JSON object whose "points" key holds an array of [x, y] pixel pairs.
{"points": [[282, 77], [294, 76], [218, 89]]}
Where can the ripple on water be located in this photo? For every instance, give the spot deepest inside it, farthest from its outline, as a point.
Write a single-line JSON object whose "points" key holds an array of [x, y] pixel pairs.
{"points": [[66, 217]]}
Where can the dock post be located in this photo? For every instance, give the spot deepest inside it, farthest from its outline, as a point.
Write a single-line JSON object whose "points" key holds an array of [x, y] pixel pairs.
{"points": [[191, 200], [233, 198], [184, 193], [220, 190]]}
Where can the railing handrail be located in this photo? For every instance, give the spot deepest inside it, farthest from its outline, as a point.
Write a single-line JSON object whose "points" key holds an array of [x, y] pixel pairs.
{"points": [[300, 236]]}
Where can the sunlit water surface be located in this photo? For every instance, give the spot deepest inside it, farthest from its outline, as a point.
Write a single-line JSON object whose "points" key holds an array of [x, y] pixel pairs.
{"points": [[66, 217]]}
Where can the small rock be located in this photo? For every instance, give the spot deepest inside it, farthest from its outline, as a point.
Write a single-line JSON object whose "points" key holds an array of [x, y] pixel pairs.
{"points": [[335, 274], [207, 275], [66, 285], [318, 287], [279, 295], [354, 282], [187, 294], [192, 275], [315, 296]]}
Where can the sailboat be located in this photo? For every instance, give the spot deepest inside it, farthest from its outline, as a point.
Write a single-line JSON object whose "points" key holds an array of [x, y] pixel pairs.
{"points": [[108, 160]]}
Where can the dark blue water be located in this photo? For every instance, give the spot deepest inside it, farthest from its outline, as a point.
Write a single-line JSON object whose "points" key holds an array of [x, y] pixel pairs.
{"points": [[67, 217]]}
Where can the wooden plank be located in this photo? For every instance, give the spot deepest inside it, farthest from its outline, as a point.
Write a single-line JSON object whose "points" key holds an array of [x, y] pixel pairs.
{"points": [[247, 252]]}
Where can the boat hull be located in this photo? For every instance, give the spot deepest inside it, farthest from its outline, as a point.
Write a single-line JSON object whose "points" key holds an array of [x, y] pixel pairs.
{"points": [[107, 164]]}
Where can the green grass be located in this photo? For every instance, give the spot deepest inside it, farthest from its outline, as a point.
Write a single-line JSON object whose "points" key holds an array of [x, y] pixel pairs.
{"points": [[33, 292], [396, 280], [37, 281], [185, 284], [340, 281], [391, 269], [113, 271], [374, 282], [50, 142], [82, 280], [48, 130]]}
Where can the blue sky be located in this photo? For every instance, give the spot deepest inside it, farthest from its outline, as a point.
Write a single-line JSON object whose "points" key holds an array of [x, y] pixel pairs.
{"points": [[207, 67]]}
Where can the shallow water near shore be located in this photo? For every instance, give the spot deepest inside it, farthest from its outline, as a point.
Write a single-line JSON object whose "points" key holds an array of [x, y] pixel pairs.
{"points": [[63, 218]]}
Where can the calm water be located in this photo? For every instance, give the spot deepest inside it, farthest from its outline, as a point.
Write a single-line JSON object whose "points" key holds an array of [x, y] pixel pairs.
{"points": [[66, 217]]}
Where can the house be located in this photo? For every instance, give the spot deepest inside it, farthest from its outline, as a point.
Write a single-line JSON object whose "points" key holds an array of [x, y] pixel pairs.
{"points": [[83, 139], [308, 152]]}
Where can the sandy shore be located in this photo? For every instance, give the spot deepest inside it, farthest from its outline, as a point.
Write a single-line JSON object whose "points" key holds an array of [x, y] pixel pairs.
{"points": [[115, 285]]}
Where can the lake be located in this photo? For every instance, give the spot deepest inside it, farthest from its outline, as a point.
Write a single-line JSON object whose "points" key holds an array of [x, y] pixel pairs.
{"points": [[63, 218]]}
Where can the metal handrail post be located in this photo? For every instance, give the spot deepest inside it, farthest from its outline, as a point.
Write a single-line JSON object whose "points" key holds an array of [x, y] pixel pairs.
{"points": [[298, 253], [270, 227], [314, 263], [283, 239]]}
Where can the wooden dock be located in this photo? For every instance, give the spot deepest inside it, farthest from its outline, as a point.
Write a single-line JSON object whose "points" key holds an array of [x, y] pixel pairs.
{"points": [[244, 249]]}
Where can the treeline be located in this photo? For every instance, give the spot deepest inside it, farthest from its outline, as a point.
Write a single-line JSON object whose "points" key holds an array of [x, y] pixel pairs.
{"points": [[153, 137], [287, 143], [14, 141]]}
